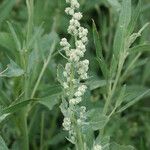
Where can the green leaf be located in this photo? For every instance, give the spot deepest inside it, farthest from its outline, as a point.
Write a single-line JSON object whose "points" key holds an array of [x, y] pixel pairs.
{"points": [[134, 18], [97, 42], [15, 107], [96, 120], [134, 100], [5, 9], [13, 70], [103, 141], [50, 101], [140, 48], [36, 34], [60, 76], [121, 96], [115, 146], [99, 53], [88, 4], [64, 107], [120, 36], [3, 145], [6, 41], [95, 83], [15, 37], [113, 66], [134, 36], [3, 117], [115, 4]]}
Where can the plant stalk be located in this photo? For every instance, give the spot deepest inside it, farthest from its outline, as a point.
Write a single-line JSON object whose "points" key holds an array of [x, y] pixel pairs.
{"points": [[24, 130]]}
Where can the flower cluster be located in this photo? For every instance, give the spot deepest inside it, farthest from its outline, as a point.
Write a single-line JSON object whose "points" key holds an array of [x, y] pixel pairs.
{"points": [[75, 70], [97, 147]]}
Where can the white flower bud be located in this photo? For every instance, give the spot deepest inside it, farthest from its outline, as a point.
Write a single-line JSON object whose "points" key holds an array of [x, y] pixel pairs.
{"points": [[75, 4], [77, 16], [67, 123], [65, 85], [75, 101], [69, 11], [97, 147]]}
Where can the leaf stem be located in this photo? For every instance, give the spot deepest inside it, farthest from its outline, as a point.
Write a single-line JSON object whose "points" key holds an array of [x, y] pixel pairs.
{"points": [[43, 70]]}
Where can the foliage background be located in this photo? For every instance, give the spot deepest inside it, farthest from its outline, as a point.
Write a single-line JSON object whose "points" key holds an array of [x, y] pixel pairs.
{"points": [[50, 22]]}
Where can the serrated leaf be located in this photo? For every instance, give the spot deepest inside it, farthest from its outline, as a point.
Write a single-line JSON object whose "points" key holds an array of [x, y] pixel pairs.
{"points": [[3, 145], [13, 70]]}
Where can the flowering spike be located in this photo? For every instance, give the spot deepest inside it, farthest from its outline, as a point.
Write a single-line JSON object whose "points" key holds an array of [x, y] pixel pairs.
{"points": [[75, 71]]}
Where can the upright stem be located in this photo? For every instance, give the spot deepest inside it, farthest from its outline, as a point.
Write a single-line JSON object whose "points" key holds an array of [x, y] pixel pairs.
{"points": [[24, 130], [43, 70], [111, 93]]}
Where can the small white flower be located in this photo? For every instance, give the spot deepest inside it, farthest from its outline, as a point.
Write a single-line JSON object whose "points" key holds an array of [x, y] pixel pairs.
{"points": [[77, 16], [83, 67], [84, 39], [79, 53], [64, 42], [75, 101], [73, 56], [68, 67], [67, 123], [97, 147], [84, 76], [75, 68], [82, 32], [65, 74], [65, 85], [72, 30], [78, 94], [69, 11], [81, 90], [74, 4]]}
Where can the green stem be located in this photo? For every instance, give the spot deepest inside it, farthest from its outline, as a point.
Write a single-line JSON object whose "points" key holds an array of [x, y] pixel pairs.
{"points": [[111, 93], [43, 70], [24, 130], [42, 128]]}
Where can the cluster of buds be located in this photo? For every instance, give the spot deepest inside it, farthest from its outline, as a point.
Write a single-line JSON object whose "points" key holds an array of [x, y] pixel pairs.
{"points": [[97, 147], [76, 69]]}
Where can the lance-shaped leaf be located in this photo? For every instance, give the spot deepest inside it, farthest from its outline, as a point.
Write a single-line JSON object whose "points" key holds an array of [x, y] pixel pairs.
{"points": [[99, 53], [120, 36]]}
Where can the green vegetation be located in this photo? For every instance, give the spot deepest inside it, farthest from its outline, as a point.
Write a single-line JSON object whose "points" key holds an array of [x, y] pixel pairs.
{"points": [[33, 101]]}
